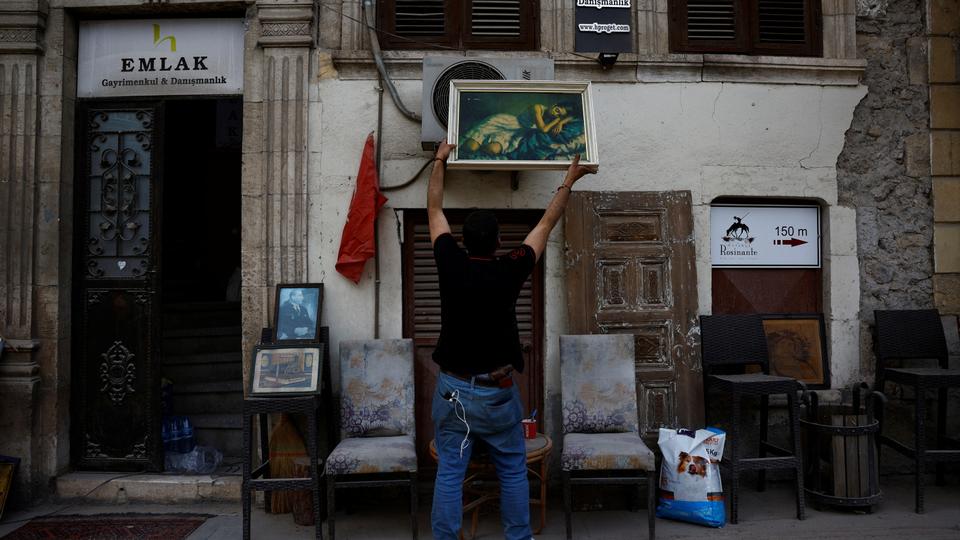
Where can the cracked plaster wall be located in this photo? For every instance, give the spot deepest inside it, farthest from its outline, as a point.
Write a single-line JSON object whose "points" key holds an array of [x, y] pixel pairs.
{"points": [[712, 139]]}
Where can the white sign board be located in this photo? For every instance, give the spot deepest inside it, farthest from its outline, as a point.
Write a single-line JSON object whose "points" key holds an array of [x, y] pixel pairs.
{"points": [[765, 236], [160, 57]]}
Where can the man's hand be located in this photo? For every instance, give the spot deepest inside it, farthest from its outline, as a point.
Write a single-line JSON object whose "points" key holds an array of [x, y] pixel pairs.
{"points": [[577, 171], [443, 152]]}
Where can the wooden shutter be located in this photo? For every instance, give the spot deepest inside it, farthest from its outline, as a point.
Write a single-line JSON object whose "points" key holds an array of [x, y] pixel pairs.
{"points": [[774, 27], [787, 27], [408, 24], [421, 311], [458, 24], [500, 24]]}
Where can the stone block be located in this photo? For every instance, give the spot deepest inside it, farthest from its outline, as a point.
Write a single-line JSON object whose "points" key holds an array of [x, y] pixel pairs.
{"points": [[943, 16], [946, 199], [944, 60], [917, 59], [917, 151], [843, 283], [843, 230], [946, 293], [945, 107], [945, 153], [946, 241]]}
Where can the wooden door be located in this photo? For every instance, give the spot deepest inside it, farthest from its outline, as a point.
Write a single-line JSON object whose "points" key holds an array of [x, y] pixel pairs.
{"points": [[116, 418], [631, 270], [421, 312]]}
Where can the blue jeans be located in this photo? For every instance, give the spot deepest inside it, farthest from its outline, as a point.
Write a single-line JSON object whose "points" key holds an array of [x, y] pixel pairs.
{"points": [[493, 415]]}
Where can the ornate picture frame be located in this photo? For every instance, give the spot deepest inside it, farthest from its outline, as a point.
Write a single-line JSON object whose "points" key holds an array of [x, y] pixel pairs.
{"points": [[286, 370], [296, 314], [797, 347], [516, 125], [8, 466]]}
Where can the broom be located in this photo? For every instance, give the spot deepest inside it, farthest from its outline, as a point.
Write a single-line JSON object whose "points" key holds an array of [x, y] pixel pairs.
{"points": [[286, 444]]}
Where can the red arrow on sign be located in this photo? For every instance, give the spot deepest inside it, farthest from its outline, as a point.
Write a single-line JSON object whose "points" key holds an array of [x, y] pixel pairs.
{"points": [[793, 242]]}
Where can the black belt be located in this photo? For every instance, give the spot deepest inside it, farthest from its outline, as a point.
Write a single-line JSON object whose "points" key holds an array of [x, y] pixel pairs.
{"points": [[499, 378]]}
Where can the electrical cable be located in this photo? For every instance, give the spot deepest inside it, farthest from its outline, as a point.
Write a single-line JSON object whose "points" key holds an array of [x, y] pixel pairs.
{"points": [[455, 399], [381, 67]]}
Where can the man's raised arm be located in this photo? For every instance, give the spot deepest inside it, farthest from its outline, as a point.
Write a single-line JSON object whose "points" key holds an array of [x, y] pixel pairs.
{"points": [[438, 221], [537, 239]]}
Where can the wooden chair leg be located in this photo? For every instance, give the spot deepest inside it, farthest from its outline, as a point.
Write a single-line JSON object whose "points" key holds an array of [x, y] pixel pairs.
{"points": [[567, 503]]}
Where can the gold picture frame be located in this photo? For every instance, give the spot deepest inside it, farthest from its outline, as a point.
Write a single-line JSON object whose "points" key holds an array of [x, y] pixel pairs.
{"points": [[518, 125], [8, 465], [796, 347], [287, 370]]}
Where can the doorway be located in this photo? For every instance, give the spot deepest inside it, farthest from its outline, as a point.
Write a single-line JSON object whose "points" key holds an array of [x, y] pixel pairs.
{"points": [[156, 304], [421, 312]]}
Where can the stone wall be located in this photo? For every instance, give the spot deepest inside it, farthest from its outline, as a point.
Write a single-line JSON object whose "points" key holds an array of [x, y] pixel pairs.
{"points": [[884, 169]]}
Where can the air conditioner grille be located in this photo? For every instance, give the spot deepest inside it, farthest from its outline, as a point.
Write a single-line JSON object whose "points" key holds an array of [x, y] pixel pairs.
{"points": [[463, 70]]}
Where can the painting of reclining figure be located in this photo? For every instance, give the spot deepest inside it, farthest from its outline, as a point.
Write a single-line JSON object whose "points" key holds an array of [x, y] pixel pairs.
{"points": [[520, 124]]}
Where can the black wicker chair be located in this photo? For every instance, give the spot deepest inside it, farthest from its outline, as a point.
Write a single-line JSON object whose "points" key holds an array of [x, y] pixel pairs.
{"points": [[734, 341], [917, 335]]}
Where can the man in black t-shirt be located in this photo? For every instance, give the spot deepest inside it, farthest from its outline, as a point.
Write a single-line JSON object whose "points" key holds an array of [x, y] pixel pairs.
{"points": [[478, 349]]}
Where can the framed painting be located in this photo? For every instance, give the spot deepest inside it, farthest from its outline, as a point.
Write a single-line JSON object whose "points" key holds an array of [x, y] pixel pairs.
{"points": [[516, 125], [8, 465], [797, 348], [286, 370], [297, 312]]}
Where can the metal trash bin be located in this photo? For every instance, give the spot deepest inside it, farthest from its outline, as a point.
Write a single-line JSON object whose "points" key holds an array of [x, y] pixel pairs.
{"points": [[841, 463]]}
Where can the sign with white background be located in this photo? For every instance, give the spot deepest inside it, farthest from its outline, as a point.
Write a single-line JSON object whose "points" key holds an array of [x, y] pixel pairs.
{"points": [[160, 57], [765, 236]]}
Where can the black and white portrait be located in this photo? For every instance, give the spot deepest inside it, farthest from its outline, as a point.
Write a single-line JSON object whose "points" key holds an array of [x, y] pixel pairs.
{"points": [[298, 312]]}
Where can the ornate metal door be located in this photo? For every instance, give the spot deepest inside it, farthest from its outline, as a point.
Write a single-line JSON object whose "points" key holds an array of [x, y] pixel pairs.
{"points": [[116, 417]]}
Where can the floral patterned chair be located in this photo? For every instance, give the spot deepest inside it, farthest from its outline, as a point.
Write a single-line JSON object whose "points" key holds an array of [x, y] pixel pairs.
{"points": [[376, 422], [601, 441]]}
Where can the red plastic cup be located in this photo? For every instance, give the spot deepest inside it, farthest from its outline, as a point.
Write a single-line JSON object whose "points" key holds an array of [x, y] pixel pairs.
{"points": [[529, 428]]}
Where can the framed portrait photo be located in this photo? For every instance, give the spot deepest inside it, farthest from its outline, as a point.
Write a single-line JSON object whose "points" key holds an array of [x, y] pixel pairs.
{"points": [[797, 348], [286, 370], [515, 125], [297, 312]]}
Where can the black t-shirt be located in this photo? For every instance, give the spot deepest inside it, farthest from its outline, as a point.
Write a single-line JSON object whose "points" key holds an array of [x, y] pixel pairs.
{"points": [[478, 298]]}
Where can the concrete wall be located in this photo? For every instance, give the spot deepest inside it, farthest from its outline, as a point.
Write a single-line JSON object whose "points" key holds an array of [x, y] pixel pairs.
{"points": [[711, 138]]}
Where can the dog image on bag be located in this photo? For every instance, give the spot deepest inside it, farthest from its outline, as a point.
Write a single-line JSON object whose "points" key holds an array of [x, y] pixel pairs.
{"points": [[692, 464], [690, 488]]}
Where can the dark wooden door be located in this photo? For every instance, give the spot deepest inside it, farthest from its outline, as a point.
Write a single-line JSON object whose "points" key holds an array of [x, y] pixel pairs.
{"points": [[631, 270], [116, 418], [421, 312]]}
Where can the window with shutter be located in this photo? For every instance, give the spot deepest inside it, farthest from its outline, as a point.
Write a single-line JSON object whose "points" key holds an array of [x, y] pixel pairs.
{"points": [[458, 24], [771, 27]]}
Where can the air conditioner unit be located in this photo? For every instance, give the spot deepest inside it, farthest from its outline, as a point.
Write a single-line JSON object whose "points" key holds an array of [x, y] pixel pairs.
{"points": [[438, 71]]}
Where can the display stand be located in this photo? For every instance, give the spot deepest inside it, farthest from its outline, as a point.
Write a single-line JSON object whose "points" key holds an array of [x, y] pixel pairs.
{"points": [[257, 479]]}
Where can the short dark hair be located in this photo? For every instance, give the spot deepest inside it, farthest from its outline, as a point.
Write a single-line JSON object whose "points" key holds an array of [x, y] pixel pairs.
{"points": [[481, 233]]}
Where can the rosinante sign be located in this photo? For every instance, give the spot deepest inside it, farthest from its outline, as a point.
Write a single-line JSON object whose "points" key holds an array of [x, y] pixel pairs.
{"points": [[160, 57], [765, 236]]}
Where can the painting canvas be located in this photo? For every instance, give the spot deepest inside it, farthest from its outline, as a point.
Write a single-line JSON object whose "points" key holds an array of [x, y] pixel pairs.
{"points": [[517, 125], [286, 370], [297, 314], [796, 347]]}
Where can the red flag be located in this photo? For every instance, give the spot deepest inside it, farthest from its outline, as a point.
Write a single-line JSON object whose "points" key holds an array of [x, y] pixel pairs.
{"points": [[356, 243]]}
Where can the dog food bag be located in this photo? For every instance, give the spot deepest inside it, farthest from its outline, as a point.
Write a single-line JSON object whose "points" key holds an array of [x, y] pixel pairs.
{"points": [[690, 488]]}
